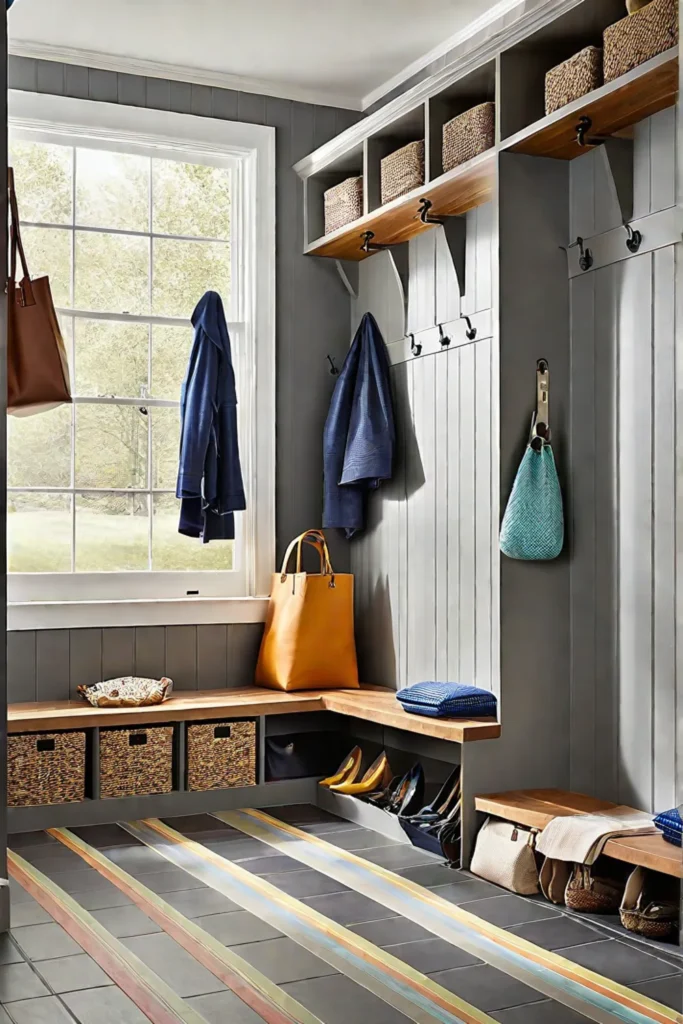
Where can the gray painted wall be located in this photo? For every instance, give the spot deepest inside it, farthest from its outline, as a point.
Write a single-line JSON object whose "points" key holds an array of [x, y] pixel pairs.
{"points": [[312, 321]]}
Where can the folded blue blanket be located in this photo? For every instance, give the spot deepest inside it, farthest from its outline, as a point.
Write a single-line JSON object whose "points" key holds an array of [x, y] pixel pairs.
{"points": [[671, 825], [447, 700]]}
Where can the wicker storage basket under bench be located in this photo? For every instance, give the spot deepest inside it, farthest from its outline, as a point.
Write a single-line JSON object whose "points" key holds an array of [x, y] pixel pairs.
{"points": [[221, 755], [136, 762], [45, 768], [635, 39]]}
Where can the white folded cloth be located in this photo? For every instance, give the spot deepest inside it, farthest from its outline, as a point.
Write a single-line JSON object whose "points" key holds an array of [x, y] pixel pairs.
{"points": [[580, 838]]}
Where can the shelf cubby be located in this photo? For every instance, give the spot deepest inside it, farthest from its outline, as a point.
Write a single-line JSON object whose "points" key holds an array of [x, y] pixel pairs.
{"points": [[479, 86], [411, 127], [349, 165]]}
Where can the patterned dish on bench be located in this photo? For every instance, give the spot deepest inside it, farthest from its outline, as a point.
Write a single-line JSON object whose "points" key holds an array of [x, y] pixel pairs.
{"points": [[127, 692]]}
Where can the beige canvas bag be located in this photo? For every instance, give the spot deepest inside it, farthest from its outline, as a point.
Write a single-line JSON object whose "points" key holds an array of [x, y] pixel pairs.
{"points": [[504, 854]]}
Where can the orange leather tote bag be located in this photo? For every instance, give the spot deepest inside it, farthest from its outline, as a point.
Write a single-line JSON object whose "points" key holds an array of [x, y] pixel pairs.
{"points": [[37, 367], [308, 642]]}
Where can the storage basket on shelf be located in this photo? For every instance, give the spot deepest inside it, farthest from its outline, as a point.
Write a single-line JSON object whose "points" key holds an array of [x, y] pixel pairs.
{"points": [[468, 135], [45, 768], [343, 203], [573, 78], [402, 171], [640, 36], [136, 762], [221, 755]]}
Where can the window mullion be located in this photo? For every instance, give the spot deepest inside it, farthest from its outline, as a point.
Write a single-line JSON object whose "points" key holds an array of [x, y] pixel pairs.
{"points": [[74, 170]]}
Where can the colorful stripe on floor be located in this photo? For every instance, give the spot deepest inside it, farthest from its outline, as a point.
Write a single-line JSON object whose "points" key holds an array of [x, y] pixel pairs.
{"points": [[255, 990], [152, 996], [596, 997], [413, 994]]}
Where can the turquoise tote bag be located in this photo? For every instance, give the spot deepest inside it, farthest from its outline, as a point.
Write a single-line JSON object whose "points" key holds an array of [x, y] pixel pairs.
{"points": [[533, 524]]}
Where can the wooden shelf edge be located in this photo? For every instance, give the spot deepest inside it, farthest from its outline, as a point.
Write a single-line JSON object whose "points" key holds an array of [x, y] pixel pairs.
{"points": [[617, 105], [453, 193]]}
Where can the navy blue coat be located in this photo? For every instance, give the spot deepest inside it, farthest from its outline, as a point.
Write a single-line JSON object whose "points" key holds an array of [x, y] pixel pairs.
{"points": [[209, 475], [359, 438]]}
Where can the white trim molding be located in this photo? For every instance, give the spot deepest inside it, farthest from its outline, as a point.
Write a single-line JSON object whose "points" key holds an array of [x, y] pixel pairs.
{"points": [[71, 599], [180, 73]]}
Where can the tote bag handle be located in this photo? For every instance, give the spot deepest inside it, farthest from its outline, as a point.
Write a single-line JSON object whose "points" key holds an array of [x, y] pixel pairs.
{"points": [[16, 245], [316, 539]]}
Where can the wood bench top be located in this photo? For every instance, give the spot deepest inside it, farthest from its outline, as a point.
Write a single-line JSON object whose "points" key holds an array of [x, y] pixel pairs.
{"points": [[536, 807], [374, 704]]}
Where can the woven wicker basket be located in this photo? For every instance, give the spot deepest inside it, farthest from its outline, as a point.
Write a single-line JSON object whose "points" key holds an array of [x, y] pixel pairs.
{"points": [[468, 135], [45, 768], [402, 171], [635, 39], [343, 203], [221, 755], [136, 762], [574, 78]]}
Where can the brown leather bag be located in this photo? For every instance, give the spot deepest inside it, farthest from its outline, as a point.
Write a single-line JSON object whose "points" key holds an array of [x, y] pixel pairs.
{"points": [[37, 366]]}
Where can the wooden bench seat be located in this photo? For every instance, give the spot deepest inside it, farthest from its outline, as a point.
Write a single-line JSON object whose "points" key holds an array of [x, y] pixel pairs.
{"points": [[371, 703], [536, 807]]}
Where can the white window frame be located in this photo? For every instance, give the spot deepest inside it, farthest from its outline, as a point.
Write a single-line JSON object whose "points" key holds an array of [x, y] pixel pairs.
{"points": [[43, 600]]}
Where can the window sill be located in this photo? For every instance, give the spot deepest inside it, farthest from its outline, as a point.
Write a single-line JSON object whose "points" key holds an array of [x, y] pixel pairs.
{"points": [[102, 614]]}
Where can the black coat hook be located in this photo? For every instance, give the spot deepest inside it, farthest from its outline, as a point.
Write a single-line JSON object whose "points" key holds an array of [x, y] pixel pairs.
{"points": [[634, 240], [444, 340], [582, 138], [586, 256], [415, 346], [471, 331], [425, 216], [333, 367], [368, 244]]}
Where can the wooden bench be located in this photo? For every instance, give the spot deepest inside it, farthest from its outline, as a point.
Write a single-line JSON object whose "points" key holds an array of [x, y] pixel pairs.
{"points": [[370, 703], [536, 807]]}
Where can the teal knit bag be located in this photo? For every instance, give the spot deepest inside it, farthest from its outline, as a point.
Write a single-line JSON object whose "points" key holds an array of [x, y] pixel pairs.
{"points": [[533, 524]]}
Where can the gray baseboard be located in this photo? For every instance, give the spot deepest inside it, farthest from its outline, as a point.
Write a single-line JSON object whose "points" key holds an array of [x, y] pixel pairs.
{"points": [[101, 812], [362, 813]]}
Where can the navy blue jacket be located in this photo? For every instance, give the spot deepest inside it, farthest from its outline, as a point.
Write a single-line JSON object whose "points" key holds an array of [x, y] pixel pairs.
{"points": [[209, 475], [358, 445]]}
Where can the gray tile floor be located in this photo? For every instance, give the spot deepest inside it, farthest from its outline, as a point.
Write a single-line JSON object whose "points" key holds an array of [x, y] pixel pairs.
{"points": [[46, 978]]}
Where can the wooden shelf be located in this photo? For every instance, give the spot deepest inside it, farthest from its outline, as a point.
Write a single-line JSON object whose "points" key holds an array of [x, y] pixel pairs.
{"points": [[613, 107], [452, 193], [535, 808], [375, 704]]}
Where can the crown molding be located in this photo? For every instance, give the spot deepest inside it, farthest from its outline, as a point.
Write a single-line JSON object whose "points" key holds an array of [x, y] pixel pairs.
{"points": [[488, 18], [179, 73]]}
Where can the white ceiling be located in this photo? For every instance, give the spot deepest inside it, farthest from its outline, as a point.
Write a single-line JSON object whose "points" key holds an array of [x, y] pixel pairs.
{"points": [[326, 51]]}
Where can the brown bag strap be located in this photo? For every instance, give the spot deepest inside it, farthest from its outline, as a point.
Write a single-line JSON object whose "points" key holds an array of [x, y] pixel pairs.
{"points": [[316, 539], [16, 245]]}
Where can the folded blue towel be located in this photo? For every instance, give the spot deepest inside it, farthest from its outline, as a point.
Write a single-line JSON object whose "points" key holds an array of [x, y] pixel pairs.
{"points": [[447, 700], [671, 825]]}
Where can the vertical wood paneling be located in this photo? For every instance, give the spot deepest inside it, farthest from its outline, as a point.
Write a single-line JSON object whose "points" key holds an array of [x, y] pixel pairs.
{"points": [[118, 652], [663, 160], [641, 168], [150, 651], [181, 656], [581, 205], [469, 299], [664, 533], [244, 641], [380, 293], [442, 365], [607, 213], [85, 659], [21, 667], [453, 506], [468, 593], [635, 524], [446, 282], [52, 664], [402, 391], [421, 282], [482, 483], [212, 657], [483, 249]]}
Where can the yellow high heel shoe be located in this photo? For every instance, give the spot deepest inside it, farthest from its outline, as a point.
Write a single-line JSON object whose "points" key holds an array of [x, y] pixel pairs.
{"points": [[377, 776], [347, 770]]}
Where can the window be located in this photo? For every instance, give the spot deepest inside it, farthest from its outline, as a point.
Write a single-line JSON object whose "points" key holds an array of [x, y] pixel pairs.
{"points": [[132, 228]]}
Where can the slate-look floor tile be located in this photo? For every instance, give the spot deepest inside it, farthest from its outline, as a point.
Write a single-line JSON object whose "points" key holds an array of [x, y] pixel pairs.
{"points": [[123, 922], [45, 942], [465, 891], [485, 987], [403, 855], [430, 955], [104, 1006], [178, 969], [429, 875], [304, 883], [172, 880], [4, 1019], [137, 859], [269, 865], [348, 908], [557, 933], [104, 836], [72, 973], [238, 928], [200, 902], [304, 814], [102, 899], [390, 931], [668, 991], [224, 1008], [617, 961], [22, 914], [359, 839], [337, 1000], [283, 960], [19, 981], [9, 954], [546, 1012], [39, 1011], [508, 910]]}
